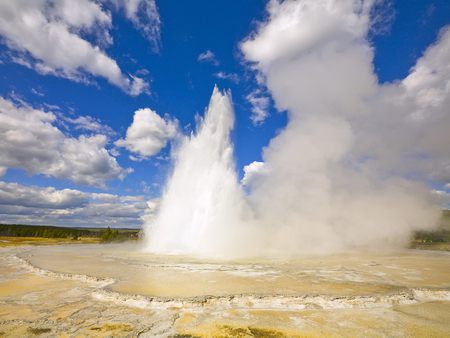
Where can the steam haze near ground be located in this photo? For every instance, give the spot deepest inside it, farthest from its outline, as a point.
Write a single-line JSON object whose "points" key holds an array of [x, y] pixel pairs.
{"points": [[348, 170]]}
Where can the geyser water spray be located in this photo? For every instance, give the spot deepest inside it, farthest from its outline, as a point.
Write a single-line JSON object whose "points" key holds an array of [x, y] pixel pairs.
{"points": [[203, 207]]}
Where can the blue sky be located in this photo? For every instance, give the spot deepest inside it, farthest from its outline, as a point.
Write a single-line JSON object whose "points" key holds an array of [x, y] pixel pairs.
{"points": [[179, 81]]}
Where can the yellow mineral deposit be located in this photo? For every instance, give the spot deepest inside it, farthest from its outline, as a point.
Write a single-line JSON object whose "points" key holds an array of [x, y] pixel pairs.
{"points": [[116, 290]]}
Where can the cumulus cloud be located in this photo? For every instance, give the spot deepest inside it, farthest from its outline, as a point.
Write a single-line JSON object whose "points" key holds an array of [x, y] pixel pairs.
{"points": [[30, 140], [208, 56], [49, 37], [47, 205], [48, 198], [148, 133]]}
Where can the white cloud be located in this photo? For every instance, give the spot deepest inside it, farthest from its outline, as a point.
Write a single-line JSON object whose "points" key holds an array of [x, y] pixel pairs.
{"points": [[79, 14], [30, 140], [227, 76], [260, 106], [88, 123], [208, 56], [144, 16], [48, 35], [49, 197], [148, 133], [47, 205], [138, 86]]}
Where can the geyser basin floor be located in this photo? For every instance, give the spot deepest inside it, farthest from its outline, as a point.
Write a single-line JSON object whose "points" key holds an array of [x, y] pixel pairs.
{"points": [[117, 290]]}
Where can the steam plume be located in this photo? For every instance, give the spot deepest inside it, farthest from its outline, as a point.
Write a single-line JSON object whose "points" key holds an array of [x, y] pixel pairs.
{"points": [[347, 169]]}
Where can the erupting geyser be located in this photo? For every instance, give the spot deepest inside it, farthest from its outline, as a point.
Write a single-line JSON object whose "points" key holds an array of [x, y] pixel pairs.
{"points": [[345, 172], [293, 206], [203, 206]]}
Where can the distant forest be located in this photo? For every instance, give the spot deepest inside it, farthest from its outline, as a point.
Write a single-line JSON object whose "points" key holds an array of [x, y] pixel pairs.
{"points": [[47, 231]]}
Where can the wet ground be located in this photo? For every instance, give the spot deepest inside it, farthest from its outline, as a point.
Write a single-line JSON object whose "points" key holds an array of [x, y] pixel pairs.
{"points": [[116, 290]]}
